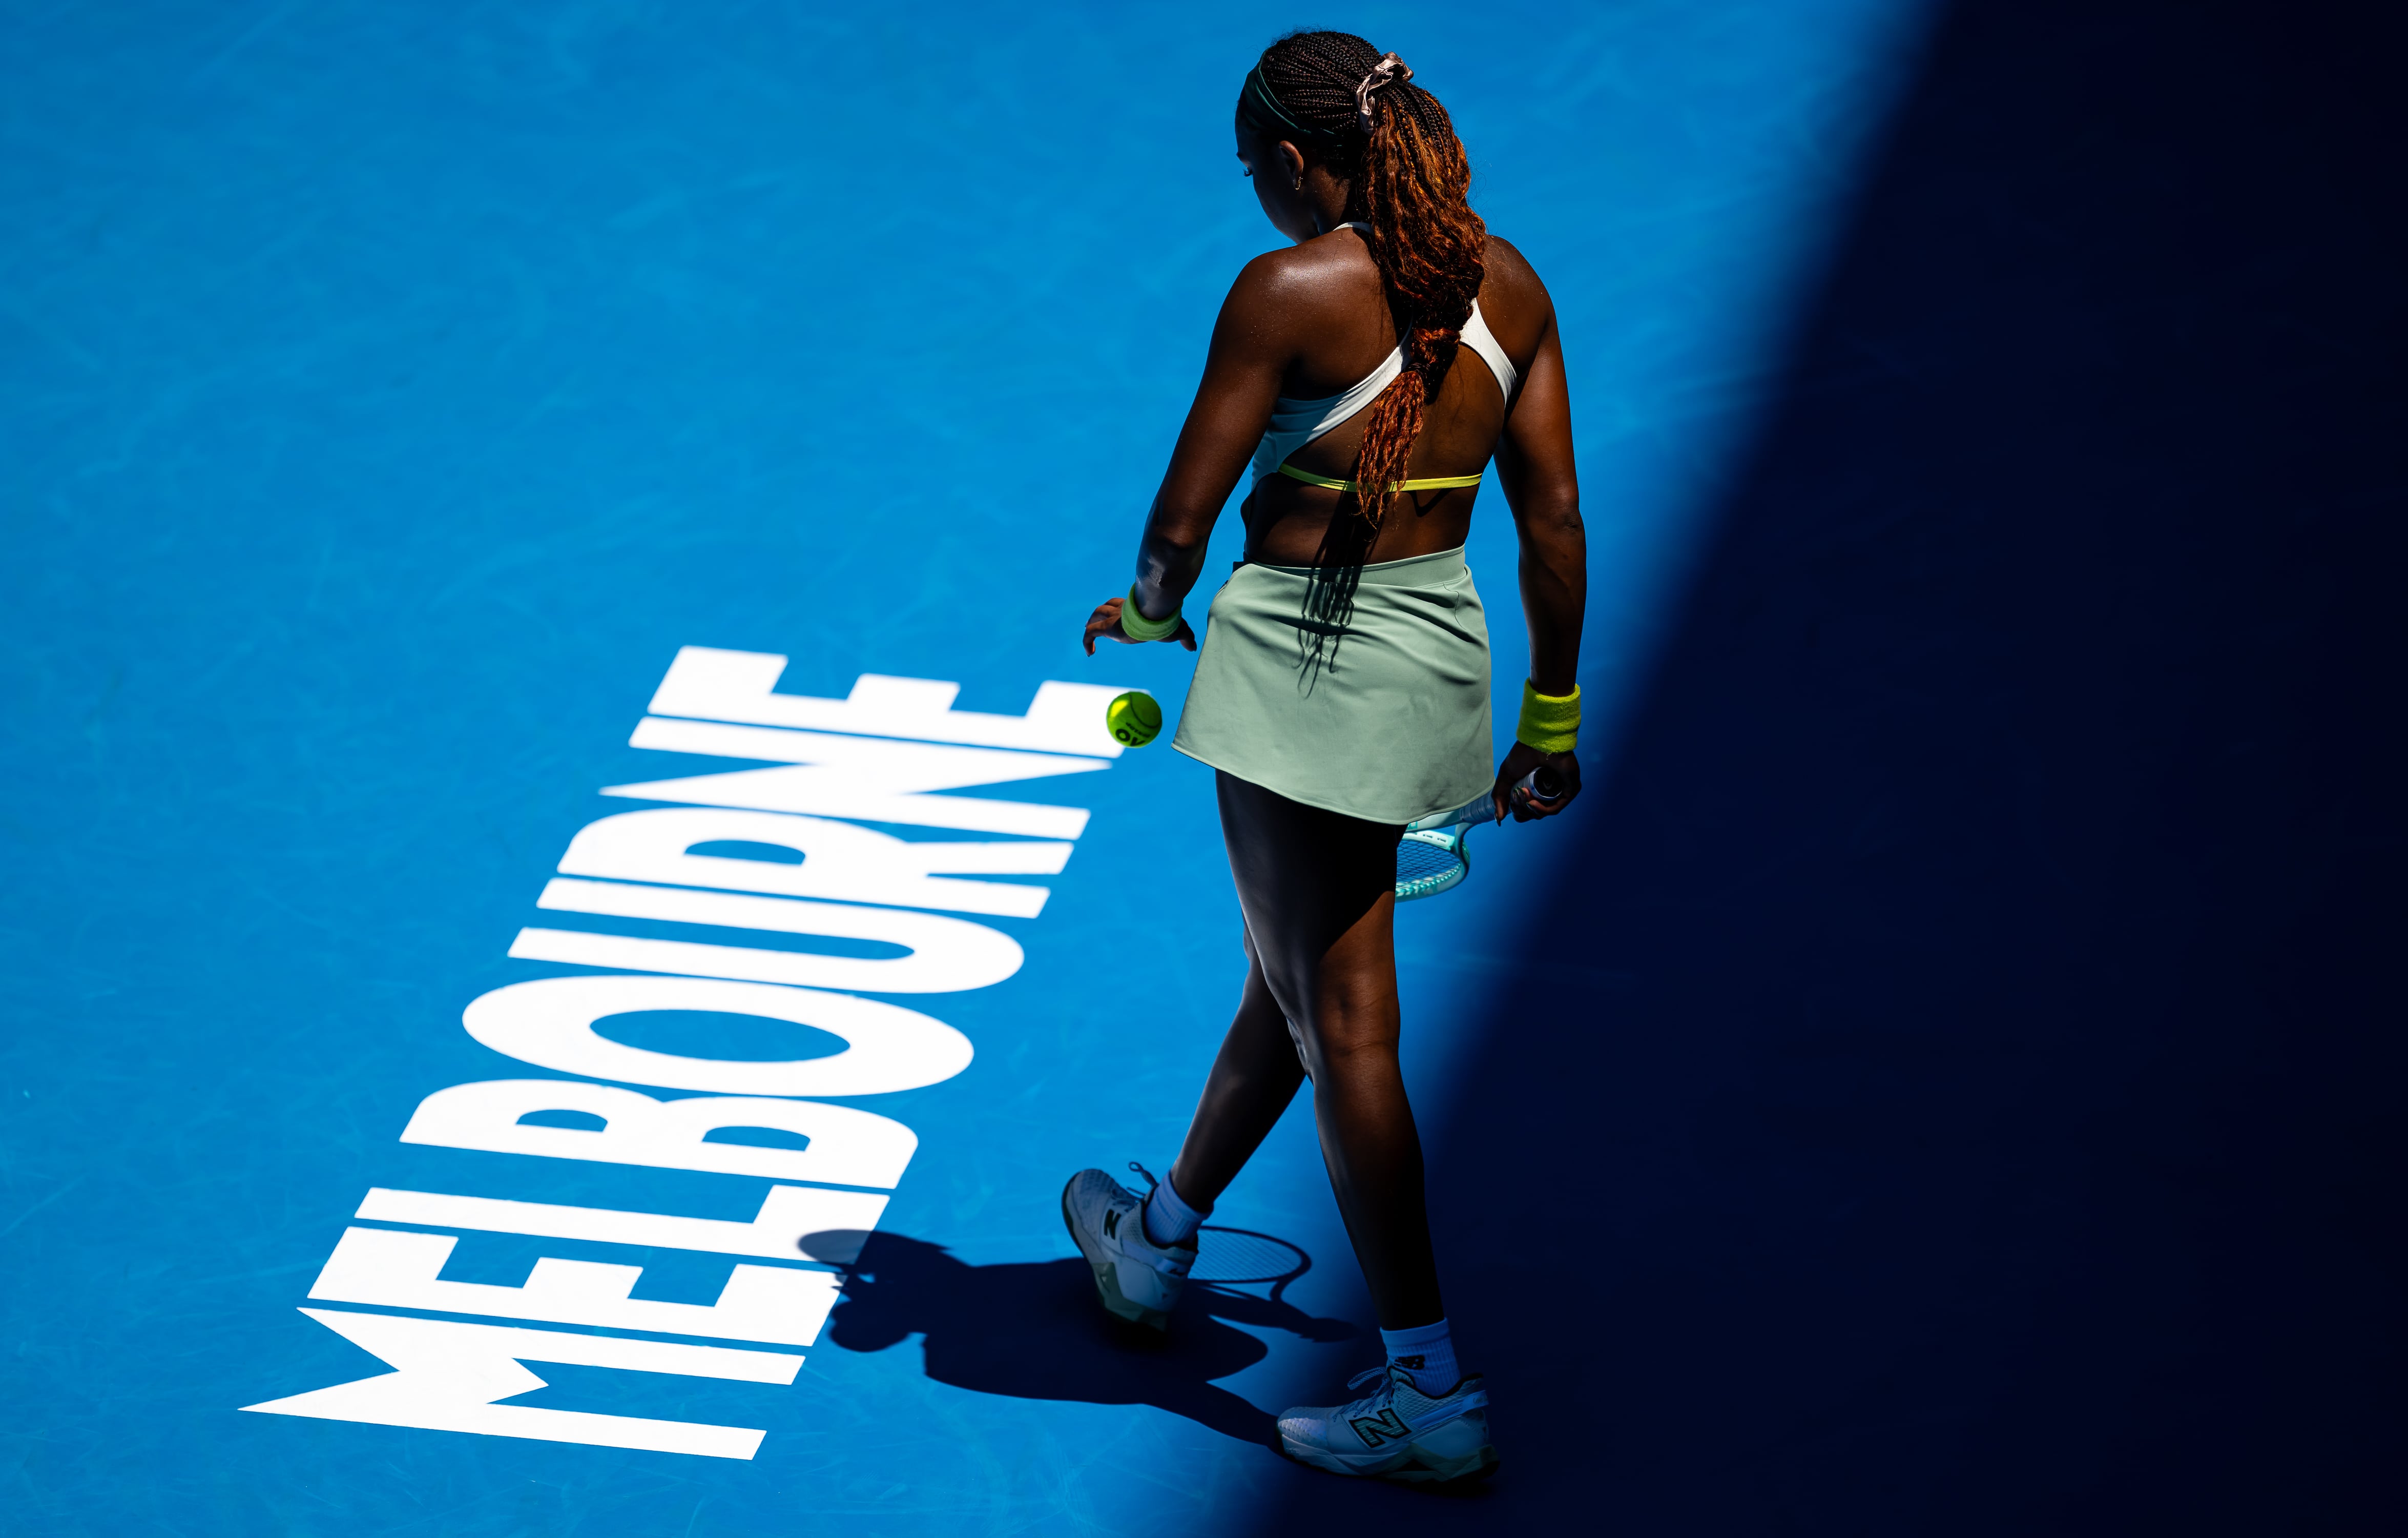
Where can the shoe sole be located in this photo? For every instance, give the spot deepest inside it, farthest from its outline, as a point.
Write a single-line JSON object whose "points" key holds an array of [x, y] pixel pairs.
{"points": [[1416, 1467], [1108, 1284], [1441, 1471], [1413, 1470]]}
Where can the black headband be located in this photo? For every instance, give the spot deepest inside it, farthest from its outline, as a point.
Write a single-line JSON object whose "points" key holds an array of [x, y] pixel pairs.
{"points": [[1264, 109]]}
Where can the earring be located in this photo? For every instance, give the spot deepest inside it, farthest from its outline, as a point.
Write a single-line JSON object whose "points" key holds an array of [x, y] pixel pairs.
{"points": [[1296, 186]]}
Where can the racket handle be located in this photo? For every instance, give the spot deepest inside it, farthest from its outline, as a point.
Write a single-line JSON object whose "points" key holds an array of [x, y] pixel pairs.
{"points": [[1540, 784]]}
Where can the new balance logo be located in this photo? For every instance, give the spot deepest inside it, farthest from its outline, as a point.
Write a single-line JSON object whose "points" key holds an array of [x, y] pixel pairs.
{"points": [[1380, 1429], [1410, 1364], [1111, 1225]]}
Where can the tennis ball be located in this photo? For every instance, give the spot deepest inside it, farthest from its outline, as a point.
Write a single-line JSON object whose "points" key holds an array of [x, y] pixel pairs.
{"points": [[1133, 718]]}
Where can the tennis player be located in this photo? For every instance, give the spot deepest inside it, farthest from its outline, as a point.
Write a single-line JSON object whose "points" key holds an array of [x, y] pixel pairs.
{"points": [[1363, 378]]}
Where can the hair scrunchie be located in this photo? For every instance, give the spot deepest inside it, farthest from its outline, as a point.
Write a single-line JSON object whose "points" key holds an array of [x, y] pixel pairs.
{"points": [[1390, 70]]}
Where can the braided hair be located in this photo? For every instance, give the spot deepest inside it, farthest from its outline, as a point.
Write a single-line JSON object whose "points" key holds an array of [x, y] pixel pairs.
{"points": [[1409, 180]]}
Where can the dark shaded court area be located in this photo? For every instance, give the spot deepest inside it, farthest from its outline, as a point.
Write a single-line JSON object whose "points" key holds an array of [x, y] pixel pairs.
{"points": [[1032, 1330], [1951, 1084], [1961, 1093]]}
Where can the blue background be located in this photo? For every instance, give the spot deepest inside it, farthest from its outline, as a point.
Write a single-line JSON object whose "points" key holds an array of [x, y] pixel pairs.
{"points": [[1929, 1086]]}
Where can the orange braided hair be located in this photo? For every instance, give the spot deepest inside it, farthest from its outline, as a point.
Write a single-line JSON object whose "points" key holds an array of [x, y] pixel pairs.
{"points": [[1412, 183]]}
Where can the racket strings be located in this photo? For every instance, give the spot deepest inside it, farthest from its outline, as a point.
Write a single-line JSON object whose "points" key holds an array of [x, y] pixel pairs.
{"points": [[1430, 862], [1241, 1257]]}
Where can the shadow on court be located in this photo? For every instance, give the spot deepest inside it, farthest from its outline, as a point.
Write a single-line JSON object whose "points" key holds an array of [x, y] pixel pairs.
{"points": [[1998, 1130], [1033, 1330]]}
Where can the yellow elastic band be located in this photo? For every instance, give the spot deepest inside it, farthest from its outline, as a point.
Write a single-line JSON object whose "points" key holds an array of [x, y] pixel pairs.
{"points": [[1428, 482], [1138, 628], [1550, 722]]}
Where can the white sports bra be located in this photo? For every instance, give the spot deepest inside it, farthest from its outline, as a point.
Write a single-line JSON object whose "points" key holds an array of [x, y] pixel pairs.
{"points": [[1298, 423]]}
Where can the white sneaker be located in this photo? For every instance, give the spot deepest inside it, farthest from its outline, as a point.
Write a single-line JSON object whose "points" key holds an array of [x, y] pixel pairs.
{"points": [[1137, 1279], [1399, 1432]]}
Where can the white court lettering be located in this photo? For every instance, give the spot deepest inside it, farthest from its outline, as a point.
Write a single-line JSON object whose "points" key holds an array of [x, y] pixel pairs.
{"points": [[738, 963], [858, 777], [778, 1304], [693, 958], [889, 752], [720, 685], [832, 1222], [846, 1146], [840, 860], [550, 1022], [947, 955], [448, 1375]]}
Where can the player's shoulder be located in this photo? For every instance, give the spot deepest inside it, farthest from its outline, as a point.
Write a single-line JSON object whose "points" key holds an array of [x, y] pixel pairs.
{"points": [[1510, 276], [1513, 298], [1330, 271]]}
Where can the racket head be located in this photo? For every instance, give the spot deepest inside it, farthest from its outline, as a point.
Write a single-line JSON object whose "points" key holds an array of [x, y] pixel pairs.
{"points": [[1242, 1257], [1431, 860]]}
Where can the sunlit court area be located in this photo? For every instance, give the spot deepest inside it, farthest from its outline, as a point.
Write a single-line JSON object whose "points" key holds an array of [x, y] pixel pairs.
{"points": [[572, 888]]}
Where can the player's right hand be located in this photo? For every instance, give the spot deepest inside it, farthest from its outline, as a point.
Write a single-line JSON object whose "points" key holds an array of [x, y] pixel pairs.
{"points": [[1105, 623], [1521, 805]]}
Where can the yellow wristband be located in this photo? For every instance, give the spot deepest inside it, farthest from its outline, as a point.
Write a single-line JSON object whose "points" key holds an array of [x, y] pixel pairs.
{"points": [[1550, 722], [1133, 620]]}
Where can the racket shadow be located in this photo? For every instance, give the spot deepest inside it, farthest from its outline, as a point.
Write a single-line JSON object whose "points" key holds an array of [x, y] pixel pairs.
{"points": [[1033, 1330]]}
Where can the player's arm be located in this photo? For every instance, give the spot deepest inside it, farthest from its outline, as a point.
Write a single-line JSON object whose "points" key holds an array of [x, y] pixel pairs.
{"points": [[1534, 469], [1252, 344]]}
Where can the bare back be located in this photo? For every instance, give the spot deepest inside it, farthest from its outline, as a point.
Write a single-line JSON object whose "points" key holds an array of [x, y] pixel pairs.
{"points": [[1308, 323], [1311, 322]]}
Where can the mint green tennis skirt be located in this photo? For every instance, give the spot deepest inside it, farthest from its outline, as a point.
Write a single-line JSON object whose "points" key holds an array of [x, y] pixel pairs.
{"points": [[1384, 716]]}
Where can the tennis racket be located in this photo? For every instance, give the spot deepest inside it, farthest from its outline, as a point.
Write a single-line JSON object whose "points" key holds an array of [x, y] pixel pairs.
{"points": [[1432, 857], [1241, 1258]]}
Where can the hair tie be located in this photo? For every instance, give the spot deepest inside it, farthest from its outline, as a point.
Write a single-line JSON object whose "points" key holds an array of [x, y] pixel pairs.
{"points": [[1390, 70]]}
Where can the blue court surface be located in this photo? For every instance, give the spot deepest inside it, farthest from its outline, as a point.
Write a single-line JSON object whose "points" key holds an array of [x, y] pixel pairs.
{"points": [[478, 476]]}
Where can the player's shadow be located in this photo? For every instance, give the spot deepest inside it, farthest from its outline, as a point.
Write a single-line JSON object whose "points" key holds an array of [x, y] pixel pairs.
{"points": [[1033, 1330]]}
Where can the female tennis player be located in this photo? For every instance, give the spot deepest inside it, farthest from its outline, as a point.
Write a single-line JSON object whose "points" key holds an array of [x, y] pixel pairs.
{"points": [[1368, 374]]}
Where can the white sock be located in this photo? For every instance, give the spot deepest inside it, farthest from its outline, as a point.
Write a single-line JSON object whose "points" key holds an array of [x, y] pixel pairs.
{"points": [[1170, 1220], [1426, 1353]]}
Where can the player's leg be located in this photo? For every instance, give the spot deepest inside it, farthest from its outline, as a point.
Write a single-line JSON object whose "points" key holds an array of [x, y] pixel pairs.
{"points": [[1317, 888], [1253, 1077], [1140, 1247], [1319, 893]]}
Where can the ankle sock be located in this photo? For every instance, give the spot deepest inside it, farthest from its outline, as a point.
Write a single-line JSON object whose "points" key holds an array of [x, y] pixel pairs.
{"points": [[1426, 1352], [1170, 1220]]}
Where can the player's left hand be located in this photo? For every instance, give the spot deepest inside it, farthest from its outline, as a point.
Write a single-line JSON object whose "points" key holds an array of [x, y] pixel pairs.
{"points": [[1521, 804]]}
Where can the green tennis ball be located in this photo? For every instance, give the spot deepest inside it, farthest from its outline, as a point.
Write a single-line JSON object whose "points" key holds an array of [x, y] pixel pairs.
{"points": [[1133, 718]]}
